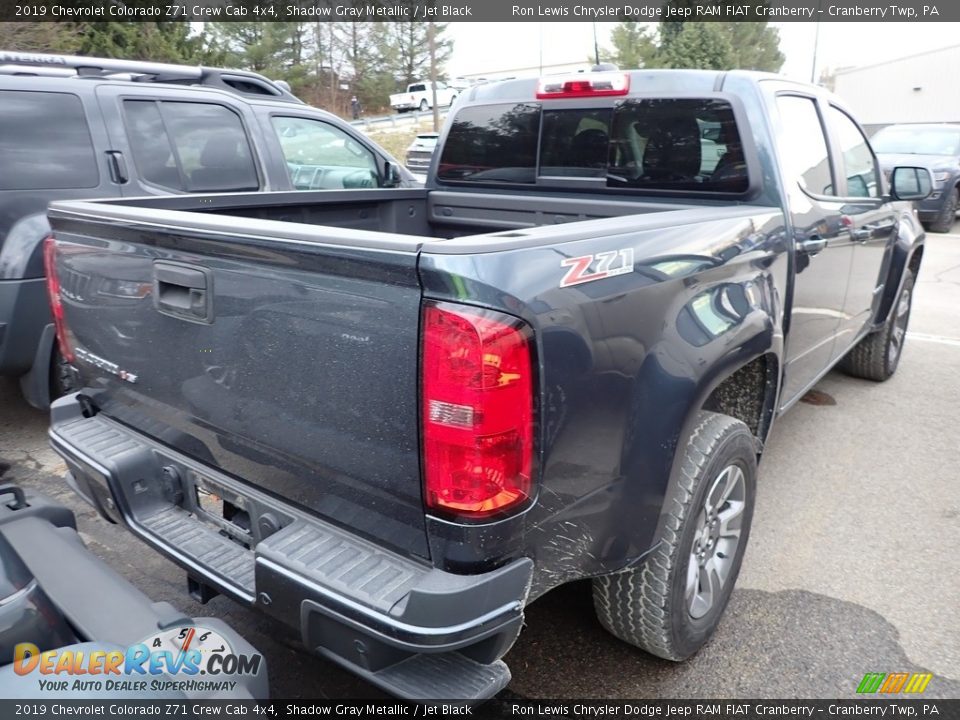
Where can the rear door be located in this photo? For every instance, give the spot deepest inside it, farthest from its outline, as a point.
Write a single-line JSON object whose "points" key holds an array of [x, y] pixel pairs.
{"points": [[170, 140], [867, 219], [823, 248], [48, 151]]}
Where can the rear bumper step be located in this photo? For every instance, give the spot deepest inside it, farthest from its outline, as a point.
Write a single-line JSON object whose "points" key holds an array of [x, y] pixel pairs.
{"points": [[413, 630]]}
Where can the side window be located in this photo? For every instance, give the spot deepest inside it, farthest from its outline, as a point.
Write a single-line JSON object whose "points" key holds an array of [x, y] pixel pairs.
{"points": [[150, 145], [803, 146], [190, 147], [45, 142], [322, 157], [859, 164]]}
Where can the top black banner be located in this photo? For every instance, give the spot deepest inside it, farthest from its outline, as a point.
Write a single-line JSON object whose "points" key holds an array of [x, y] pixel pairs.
{"points": [[476, 10]]}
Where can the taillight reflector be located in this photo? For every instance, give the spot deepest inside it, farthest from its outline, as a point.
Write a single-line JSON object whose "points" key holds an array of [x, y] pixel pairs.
{"points": [[53, 291], [583, 85], [477, 411]]}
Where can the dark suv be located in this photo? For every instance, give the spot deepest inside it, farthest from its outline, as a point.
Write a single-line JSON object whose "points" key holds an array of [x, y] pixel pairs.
{"points": [[938, 147], [75, 127]]}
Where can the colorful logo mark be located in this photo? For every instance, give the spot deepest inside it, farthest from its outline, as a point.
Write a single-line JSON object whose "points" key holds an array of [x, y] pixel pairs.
{"points": [[891, 683]]}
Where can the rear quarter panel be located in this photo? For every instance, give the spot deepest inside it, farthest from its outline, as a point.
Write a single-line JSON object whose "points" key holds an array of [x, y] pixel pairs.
{"points": [[623, 364]]}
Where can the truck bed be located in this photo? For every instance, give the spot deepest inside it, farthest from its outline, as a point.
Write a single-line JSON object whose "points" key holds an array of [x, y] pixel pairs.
{"points": [[275, 336], [420, 213]]}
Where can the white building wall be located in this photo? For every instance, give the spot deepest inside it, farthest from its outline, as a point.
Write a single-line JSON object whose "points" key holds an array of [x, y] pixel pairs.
{"points": [[920, 88]]}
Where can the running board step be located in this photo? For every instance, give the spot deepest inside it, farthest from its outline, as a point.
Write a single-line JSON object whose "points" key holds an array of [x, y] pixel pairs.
{"points": [[446, 676], [202, 545]]}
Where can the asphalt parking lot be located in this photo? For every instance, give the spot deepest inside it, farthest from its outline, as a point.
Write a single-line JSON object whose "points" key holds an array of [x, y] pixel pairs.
{"points": [[852, 565]]}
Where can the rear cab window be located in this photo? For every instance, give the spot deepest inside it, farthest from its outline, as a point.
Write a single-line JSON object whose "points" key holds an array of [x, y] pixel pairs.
{"points": [[659, 144], [29, 159], [190, 146]]}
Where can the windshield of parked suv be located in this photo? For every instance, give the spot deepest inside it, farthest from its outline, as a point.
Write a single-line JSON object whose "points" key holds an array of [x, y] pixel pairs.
{"points": [[682, 144], [907, 140]]}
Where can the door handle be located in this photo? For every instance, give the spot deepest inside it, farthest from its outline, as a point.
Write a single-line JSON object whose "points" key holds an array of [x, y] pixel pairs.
{"points": [[812, 245], [118, 167], [866, 232], [183, 291]]}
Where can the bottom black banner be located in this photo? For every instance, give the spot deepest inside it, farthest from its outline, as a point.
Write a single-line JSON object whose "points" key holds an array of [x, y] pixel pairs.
{"points": [[500, 708]]}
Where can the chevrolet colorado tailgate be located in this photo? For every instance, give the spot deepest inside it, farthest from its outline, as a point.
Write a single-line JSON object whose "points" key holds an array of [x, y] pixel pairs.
{"points": [[288, 362]]}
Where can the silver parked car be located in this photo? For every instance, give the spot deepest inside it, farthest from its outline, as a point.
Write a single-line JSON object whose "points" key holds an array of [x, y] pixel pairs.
{"points": [[420, 152]]}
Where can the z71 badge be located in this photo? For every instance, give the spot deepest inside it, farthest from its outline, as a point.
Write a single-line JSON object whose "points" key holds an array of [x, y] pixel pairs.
{"points": [[588, 268]]}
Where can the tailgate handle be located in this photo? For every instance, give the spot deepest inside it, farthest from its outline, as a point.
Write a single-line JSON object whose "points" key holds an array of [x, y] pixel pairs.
{"points": [[183, 291]]}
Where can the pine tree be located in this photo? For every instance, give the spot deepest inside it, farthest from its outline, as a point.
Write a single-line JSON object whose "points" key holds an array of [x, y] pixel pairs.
{"points": [[634, 46], [755, 46], [155, 41], [43, 37], [710, 45], [411, 55], [702, 45]]}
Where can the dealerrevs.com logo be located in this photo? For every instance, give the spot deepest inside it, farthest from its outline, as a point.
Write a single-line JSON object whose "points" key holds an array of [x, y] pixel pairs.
{"points": [[187, 659]]}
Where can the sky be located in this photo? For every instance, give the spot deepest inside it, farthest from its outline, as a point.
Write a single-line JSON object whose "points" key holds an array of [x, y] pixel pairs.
{"points": [[488, 47]]}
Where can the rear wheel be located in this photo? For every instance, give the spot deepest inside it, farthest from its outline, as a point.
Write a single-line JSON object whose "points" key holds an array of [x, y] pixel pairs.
{"points": [[947, 216], [423, 106], [671, 604], [877, 356]]}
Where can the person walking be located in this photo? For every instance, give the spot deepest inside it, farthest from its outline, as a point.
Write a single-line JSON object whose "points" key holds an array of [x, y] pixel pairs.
{"points": [[355, 107]]}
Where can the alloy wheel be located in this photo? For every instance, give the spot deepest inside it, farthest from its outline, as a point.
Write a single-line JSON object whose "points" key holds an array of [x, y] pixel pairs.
{"points": [[715, 541]]}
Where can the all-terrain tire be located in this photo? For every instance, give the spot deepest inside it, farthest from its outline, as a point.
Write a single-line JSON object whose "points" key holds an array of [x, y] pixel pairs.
{"points": [[948, 215], [649, 605], [877, 356]]}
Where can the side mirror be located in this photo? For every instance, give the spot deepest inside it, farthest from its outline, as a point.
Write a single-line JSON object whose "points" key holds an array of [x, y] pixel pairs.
{"points": [[391, 175], [910, 183]]}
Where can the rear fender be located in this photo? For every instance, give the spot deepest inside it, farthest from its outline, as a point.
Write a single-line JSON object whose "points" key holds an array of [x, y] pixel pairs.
{"points": [[907, 252], [21, 252]]}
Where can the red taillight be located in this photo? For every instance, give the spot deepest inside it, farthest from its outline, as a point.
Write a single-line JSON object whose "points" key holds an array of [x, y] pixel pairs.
{"points": [[53, 290], [477, 410], [583, 85]]}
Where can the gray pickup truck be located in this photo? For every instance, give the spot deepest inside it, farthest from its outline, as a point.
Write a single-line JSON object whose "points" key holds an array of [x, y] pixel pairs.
{"points": [[392, 418]]}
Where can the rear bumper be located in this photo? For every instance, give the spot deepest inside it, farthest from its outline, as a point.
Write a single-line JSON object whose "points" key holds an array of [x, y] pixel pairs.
{"points": [[372, 610], [418, 162]]}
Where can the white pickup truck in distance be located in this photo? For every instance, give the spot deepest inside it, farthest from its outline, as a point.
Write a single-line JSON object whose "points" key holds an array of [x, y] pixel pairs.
{"points": [[419, 96]]}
